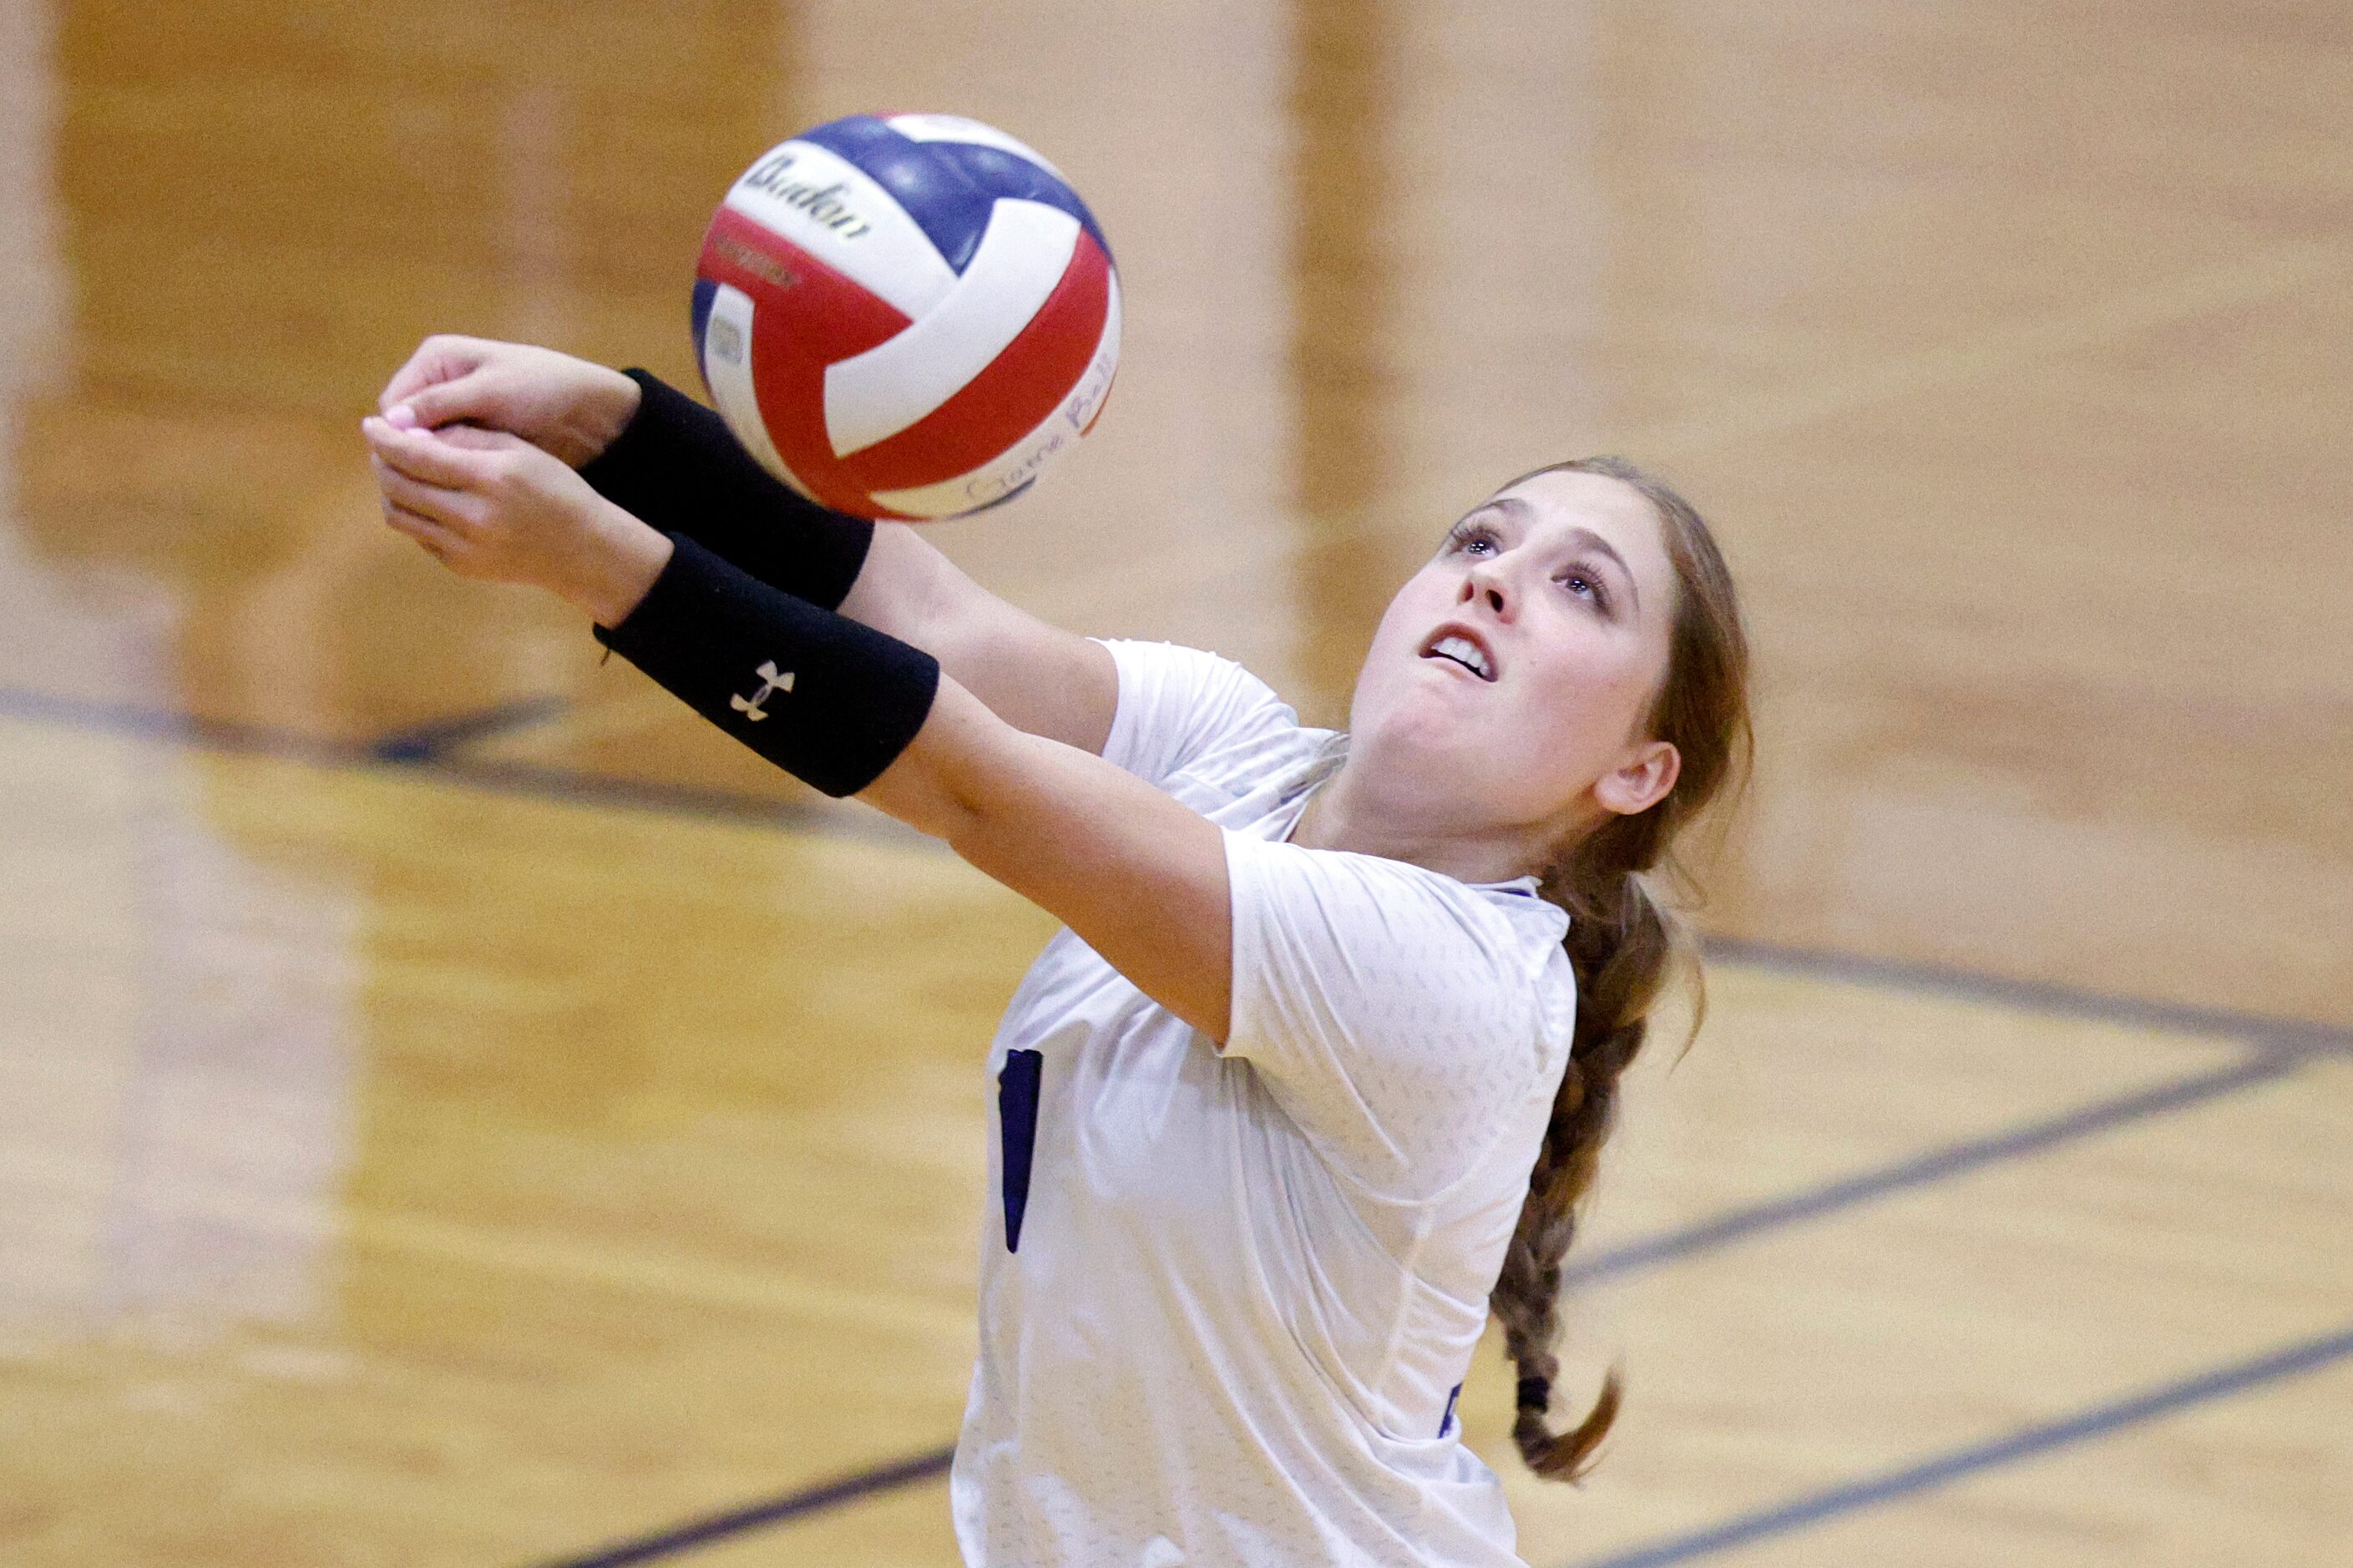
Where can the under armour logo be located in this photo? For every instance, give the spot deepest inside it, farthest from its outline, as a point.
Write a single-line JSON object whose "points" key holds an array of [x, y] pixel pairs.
{"points": [[770, 681]]}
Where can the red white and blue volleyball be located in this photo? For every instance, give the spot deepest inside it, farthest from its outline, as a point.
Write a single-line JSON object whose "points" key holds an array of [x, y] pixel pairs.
{"points": [[906, 316]]}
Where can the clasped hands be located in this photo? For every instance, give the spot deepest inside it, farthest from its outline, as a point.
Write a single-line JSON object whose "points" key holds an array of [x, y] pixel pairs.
{"points": [[476, 448]]}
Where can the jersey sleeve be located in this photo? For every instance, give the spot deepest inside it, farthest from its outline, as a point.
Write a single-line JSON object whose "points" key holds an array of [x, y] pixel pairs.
{"points": [[1399, 1019], [1178, 705]]}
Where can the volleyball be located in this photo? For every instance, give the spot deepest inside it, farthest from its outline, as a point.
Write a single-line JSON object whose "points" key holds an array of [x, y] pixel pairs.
{"points": [[906, 316]]}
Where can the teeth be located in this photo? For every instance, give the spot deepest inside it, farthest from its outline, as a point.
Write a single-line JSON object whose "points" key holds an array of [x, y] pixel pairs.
{"points": [[1463, 650]]}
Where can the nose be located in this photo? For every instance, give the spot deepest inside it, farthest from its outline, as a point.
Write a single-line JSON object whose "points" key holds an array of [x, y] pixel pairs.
{"points": [[1485, 581]]}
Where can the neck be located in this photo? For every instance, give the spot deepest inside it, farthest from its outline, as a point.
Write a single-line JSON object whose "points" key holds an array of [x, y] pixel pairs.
{"points": [[1344, 814]]}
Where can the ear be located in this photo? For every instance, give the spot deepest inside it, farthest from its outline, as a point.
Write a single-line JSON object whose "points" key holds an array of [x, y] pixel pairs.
{"points": [[1642, 783]]}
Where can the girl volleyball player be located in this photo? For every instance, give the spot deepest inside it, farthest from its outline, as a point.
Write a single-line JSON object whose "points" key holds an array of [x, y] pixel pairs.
{"points": [[1315, 1078]]}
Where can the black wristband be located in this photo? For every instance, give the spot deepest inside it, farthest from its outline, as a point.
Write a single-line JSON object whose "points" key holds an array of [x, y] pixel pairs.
{"points": [[677, 467], [832, 701]]}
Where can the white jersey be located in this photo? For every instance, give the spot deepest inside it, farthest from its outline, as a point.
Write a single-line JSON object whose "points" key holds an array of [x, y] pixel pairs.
{"points": [[1228, 1298]]}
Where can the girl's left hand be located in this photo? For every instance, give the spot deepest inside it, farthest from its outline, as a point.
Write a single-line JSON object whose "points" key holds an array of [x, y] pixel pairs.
{"points": [[490, 505]]}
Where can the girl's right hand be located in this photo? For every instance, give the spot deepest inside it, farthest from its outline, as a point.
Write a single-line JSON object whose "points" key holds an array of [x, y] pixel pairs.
{"points": [[569, 408]]}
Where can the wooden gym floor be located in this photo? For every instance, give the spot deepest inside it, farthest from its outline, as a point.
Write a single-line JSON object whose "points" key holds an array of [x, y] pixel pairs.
{"points": [[455, 1110]]}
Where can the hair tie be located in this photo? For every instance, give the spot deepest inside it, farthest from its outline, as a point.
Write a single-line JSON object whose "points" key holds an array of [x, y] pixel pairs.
{"points": [[1536, 1394]]}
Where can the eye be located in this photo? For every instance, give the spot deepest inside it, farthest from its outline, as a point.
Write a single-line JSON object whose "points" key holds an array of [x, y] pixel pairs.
{"points": [[1468, 536], [1586, 585]]}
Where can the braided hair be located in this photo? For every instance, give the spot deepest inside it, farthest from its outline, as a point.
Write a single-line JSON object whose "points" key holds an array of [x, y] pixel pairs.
{"points": [[1622, 944]]}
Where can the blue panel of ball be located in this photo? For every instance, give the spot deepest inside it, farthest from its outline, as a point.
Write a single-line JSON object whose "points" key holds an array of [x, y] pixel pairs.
{"points": [[1003, 173], [947, 204]]}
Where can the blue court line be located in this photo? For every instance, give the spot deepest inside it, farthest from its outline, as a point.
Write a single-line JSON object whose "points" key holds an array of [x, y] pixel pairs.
{"points": [[2043, 997], [431, 741], [532, 781], [1934, 1165], [153, 724], [424, 742], [2030, 1442], [752, 1516], [428, 751]]}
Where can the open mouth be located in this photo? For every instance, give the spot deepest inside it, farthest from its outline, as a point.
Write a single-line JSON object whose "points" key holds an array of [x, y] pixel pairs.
{"points": [[1458, 646]]}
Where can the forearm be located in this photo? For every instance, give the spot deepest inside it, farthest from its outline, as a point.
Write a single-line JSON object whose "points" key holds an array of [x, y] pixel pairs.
{"points": [[1139, 875], [826, 699], [907, 586], [1031, 674], [975, 781], [676, 465], [745, 654]]}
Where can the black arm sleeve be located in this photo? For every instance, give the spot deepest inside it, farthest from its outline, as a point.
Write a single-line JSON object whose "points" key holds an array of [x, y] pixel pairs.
{"points": [[827, 699], [677, 467]]}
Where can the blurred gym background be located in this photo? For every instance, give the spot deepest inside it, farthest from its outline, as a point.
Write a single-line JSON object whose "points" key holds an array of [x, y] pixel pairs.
{"points": [[455, 1109]]}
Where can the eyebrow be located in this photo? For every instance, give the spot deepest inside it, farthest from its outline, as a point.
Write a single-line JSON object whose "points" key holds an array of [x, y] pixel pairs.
{"points": [[1523, 514]]}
